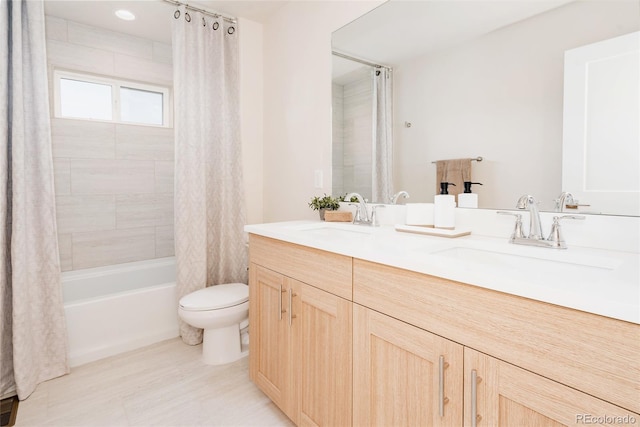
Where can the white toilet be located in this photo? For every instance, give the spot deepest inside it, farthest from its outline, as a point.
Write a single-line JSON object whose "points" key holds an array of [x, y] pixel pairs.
{"points": [[221, 311]]}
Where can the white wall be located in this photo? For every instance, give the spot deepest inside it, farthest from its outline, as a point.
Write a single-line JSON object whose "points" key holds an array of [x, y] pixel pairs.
{"points": [[297, 102], [251, 113], [499, 97]]}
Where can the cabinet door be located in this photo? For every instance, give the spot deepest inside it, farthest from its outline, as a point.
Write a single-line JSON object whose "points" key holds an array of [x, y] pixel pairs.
{"points": [[270, 343], [321, 326], [403, 375], [505, 395]]}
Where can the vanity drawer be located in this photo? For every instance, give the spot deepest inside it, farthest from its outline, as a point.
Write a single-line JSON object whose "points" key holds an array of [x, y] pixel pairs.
{"points": [[324, 270], [594, 354]]}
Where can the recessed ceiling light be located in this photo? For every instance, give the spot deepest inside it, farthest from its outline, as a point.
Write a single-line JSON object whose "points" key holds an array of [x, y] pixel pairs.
{"points": [[125, 14]]}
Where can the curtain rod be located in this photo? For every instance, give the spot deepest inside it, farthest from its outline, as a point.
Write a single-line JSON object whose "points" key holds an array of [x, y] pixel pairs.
{"points": [[206, 12], [477, 159], [361, 61]]}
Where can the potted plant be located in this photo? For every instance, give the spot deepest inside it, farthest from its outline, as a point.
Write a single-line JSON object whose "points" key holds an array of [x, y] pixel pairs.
{"points": [[323, 204]]}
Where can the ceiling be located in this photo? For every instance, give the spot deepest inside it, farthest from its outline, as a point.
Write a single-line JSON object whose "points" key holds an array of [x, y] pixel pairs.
{"points": [[400, 30], [153, 17]]}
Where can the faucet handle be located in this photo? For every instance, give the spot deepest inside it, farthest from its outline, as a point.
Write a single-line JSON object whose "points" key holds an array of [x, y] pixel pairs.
{"points": [[517, 231], [556, 235], [356, 216], [374, 217]]}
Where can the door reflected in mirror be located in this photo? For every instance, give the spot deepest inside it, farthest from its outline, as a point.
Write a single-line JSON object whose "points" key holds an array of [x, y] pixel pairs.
{"points": [[478, 79]]}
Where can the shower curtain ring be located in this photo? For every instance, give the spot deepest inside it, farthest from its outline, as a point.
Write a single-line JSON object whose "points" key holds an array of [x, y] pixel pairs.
{"points": [[216, 25], [231, 30], [176, 14], [204, 22], [187, 17]]}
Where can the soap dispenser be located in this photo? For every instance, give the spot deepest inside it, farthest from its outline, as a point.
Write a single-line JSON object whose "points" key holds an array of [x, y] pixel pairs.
{"points": [[444, 213], [468, 199]]}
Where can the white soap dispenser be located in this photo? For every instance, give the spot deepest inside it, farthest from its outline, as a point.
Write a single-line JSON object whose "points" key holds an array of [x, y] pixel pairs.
{"points": [[468, 199], [444, 212]]}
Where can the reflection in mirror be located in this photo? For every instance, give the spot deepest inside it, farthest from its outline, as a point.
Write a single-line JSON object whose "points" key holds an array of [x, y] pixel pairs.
{"points": [[484, 78], [362, 132]]}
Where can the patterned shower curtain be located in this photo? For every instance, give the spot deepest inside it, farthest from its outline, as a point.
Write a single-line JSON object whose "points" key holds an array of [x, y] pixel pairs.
{"points": [[33, 340], [382, 185], [209, 194]]}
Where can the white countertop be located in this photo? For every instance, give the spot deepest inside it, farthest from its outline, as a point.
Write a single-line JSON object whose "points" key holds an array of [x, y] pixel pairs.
{"points": [[598, 281]]}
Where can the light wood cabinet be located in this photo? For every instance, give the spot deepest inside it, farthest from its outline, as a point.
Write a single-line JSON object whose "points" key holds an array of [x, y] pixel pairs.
{"points": [[403, 375], [322, 339], [502, 395], [418, 343], [301, 348], [270, 346]]}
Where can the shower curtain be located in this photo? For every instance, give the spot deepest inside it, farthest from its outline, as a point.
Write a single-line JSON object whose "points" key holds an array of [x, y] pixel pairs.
{"points": [[209, 195], [33, 344], [382, 185]]}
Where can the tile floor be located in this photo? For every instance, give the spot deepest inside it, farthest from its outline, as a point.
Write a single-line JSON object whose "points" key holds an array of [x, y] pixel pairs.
{"points": [[165, 384]]}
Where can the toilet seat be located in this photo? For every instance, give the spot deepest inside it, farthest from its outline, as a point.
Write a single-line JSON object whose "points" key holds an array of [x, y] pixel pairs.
{"points": [[216, 297]]}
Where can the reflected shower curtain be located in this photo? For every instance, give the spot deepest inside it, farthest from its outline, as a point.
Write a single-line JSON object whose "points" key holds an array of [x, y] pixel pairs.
{"points": [[33, 344], [209, 194], [382, 188]]}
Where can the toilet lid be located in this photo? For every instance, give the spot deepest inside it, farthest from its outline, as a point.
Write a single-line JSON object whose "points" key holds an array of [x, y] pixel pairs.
{"points": [[216, 297]]}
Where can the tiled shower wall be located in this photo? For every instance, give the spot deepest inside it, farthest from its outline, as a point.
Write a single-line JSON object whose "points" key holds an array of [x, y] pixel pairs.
{"points": [[114, 182], [354, 101], [337, 138]]}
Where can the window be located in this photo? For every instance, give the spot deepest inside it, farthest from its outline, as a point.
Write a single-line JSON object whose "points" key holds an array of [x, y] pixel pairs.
{"points": [[80, 96]]}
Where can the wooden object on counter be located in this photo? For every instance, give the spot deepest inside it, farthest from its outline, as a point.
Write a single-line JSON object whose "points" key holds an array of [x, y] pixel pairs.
{"points": [[338, 216]]}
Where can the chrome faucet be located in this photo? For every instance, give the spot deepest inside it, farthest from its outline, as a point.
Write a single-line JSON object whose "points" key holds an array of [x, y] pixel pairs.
{"points": [[535, 228], [362, 213], [535, 238], [563, 200], [395, 197], [566, 201]]}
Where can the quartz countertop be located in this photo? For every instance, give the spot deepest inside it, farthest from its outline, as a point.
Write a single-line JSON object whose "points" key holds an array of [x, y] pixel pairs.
{"points": [[603, 282]]}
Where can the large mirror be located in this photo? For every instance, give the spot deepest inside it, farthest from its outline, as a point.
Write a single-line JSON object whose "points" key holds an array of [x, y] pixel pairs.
{"points": [[471, 79]]}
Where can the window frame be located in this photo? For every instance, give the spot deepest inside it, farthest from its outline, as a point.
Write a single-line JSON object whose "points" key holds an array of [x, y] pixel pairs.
{"points": [[115, 84]]}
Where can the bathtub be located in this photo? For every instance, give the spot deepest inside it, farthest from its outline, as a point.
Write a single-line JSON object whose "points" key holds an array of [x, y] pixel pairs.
{"points": [[118, 308]]}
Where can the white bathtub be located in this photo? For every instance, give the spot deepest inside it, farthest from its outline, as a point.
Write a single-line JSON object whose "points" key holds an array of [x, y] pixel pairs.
{"points": [[119, 308]]}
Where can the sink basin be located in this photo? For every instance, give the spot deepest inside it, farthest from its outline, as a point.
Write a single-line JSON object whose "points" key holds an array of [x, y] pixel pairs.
{"points": [[525, 265]]}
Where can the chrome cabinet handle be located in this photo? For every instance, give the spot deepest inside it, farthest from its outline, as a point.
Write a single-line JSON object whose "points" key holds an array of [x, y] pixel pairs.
{"points": [[291, 315], [280, 310], [442, 400], [475, 379]]}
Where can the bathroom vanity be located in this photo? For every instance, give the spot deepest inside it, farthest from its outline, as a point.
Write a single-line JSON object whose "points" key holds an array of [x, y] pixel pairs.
{"points": [[367, 326]]}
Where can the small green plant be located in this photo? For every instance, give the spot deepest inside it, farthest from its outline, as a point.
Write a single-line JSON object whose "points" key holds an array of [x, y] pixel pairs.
{"points": [[353, 199], [325, 202]]}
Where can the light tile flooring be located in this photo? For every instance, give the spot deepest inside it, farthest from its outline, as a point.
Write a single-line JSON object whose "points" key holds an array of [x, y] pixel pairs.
{"points": [[165, 384]]}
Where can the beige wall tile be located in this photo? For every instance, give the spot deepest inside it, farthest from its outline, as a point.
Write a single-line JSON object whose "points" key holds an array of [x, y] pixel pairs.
{"points": [[162, 53], [164, 241], [79, 58], [99, 176], [65, 250], [56, 28], [99, 38], [164, 208], [164, 176], [62, 176], [143, 70], [83, 139], [144, 210], [95, 249], [85, 213], [144, 142]]}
